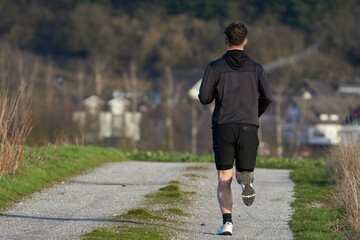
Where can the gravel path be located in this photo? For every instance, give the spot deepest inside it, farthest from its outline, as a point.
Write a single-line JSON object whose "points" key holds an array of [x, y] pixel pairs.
{"points": [[87, 201], [266, 219], [70, 209]]}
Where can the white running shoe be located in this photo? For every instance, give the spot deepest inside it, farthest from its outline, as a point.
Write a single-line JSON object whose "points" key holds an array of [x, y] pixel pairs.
{"points": [[226, 229]]}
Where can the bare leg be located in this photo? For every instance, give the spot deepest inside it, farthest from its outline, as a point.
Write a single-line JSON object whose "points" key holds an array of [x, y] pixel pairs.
{"points": [[224, 190]]}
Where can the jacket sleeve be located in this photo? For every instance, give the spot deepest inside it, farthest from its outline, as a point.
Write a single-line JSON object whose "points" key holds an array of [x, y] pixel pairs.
{"points": [[264, 92], [207, 87]]}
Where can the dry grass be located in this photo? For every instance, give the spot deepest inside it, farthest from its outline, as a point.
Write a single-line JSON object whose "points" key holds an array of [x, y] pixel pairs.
{"points": [[346, 167], [66, 140], [14, 130]]}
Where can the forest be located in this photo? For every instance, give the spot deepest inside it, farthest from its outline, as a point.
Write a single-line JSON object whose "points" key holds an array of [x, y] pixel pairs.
{"points": [[66, 50]]}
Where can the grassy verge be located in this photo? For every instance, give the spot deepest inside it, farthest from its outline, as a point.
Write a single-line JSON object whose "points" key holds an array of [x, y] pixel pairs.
{"points": [[146, 222], [52, 164], [345, 165], [313, 217]]}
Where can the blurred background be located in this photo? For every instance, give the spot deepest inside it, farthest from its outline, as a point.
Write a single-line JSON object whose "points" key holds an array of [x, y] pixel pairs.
{"points": [[118, 72]]}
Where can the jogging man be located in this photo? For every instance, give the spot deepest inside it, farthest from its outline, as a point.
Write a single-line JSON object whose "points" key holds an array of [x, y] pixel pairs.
{"points": [[242, 93]]}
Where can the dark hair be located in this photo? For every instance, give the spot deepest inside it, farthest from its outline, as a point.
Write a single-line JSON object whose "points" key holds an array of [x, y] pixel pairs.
{"points": [[235, 33]]}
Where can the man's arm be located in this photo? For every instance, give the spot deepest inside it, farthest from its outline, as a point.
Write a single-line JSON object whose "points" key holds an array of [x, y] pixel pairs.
{"points": [[206, 92], [264, 92]]}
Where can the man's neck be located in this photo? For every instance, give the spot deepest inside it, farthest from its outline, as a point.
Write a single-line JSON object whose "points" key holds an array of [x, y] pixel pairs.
{"points": [[235, 48]]}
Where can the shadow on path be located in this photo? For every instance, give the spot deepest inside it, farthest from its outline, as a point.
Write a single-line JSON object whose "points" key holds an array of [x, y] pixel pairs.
{"points": [[96, 220], [69, 219]]}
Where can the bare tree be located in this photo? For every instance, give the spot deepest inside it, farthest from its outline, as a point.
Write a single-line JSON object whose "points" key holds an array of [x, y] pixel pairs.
{"points": [[169, 108], [99, 68], [5, 66], [135, 85], [49, 83], [278, 97], [80, 75], [26, 83]]}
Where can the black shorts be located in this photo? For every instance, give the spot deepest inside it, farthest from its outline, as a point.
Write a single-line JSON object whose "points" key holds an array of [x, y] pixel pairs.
{"points": [[235, 141]]}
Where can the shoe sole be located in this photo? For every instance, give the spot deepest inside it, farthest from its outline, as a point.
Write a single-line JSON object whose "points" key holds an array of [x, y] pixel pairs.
{"points": [[225, 233], [248, 194]]}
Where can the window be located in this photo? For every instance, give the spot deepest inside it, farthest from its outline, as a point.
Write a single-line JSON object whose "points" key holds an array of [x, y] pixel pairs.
{"points": [[324, 117], [318, 133], [334, 117]]}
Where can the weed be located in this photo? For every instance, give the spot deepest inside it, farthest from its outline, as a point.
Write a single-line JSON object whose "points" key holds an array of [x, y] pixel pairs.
{"points": [[176, 211], [169, 193], [140, 213], [189, 193], [174, 182], [170, 188], [166, 198]]}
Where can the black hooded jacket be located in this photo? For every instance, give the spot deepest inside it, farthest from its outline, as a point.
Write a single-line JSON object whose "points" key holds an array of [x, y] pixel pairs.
{"points": [[239, 86]]}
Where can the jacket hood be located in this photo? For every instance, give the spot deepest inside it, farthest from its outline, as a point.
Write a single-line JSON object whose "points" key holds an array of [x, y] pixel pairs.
{"points": [[236, 58]]}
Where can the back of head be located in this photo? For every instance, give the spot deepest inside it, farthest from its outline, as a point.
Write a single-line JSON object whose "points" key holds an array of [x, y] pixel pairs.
{"points": [[235, 34]]}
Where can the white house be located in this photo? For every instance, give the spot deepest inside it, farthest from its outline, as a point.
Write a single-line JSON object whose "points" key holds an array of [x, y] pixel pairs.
{"points": [[117, 121], [93, 104], [317, 116], [118, 105]]}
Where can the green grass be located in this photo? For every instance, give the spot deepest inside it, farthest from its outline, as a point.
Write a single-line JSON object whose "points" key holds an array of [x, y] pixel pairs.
{"points": [[170, 195], [142, 214], [56, 163], [167, 194], [135, 233], [278, 163], [308, 222], [174, 182], [174, 210], [289, 163]]}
